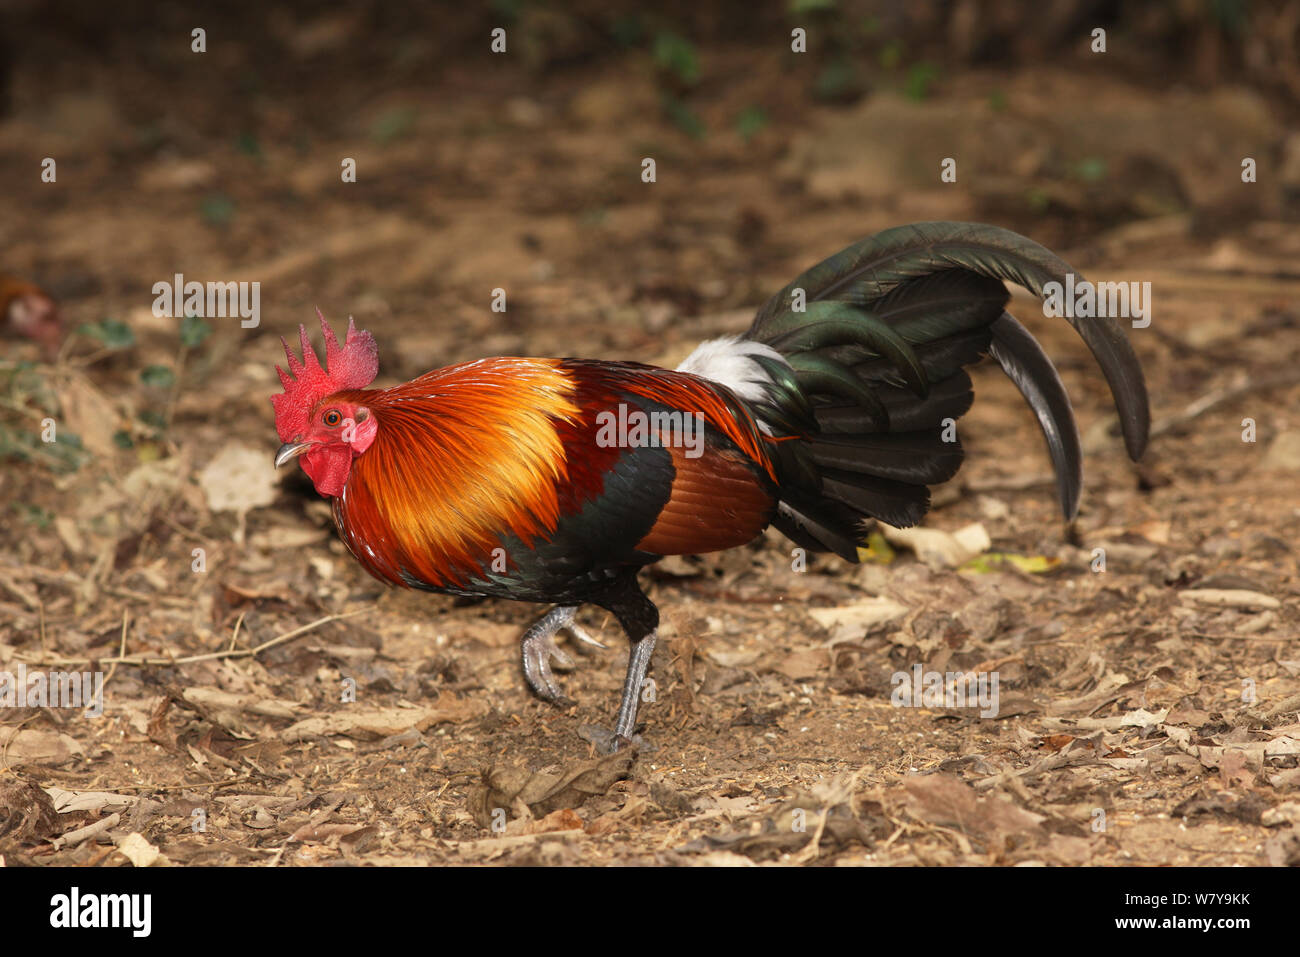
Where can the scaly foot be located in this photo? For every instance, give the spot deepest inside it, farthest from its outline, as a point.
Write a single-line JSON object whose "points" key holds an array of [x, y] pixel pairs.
{"points": [[539, 650]]}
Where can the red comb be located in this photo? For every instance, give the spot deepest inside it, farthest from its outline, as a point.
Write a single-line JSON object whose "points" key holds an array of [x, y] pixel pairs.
{"points": [[353, 365]]}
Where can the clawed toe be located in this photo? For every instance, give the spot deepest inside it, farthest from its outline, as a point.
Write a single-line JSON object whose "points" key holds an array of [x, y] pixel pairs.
{"points": [[541, 654], [560, 659], [607, 742], [583, 636], [538, 650]]}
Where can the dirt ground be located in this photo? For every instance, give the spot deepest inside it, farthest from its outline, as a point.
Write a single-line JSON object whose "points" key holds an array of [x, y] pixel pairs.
{"points": [[1148, 710]]}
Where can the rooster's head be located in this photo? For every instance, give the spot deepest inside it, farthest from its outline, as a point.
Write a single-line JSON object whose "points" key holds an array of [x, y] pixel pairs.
{"points": [[318, 418]]}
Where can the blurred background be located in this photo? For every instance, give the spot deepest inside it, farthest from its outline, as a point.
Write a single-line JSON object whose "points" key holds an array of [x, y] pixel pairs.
{"points": [[522, 171]]}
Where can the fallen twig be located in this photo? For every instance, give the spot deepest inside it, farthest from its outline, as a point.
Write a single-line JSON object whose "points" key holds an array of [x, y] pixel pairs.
{"points": [[82, 834], [146, 660], [1212, 400]]}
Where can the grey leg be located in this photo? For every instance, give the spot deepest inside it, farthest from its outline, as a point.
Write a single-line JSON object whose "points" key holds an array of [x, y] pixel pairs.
{"points": [[638, 663], [640, 620]]}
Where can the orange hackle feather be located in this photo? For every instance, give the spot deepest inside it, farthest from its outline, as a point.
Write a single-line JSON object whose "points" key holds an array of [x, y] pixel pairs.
{"points": [[462, 456]]}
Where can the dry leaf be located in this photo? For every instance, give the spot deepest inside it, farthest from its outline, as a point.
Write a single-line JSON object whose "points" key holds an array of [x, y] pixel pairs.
{"points": [[287, 536], [1233, 770], [66, 802], [317, 833], [38, 747], [88, 414], [947, 800], [850, 622], [940, 549], [237, 479], [377, 723], [541, 792], [1229, 597], [139, 851], [216, 700], [27, 815], [805, 663]]}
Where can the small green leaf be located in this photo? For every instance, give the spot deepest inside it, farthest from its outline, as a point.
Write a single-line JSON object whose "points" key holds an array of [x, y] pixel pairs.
{"points": [[891, 55], [510, 9], [35, 515], [393, 124], [919, 80], [683, 117], [122, 439], [838, 81], [992, 561], [1091, 169], [113, 333], [805, 7], [676, 55], [217, 209], [193, 331], [247, 144], [877, 551], [158, 377], [118, 334], [751, 121]]}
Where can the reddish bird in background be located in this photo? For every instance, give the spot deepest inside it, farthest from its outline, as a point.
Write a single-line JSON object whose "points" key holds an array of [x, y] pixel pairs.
{"points": [[557, 480]]}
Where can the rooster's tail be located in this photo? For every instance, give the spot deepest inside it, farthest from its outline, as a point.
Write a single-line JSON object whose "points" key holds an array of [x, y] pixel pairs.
{"points": [[875, 340]]}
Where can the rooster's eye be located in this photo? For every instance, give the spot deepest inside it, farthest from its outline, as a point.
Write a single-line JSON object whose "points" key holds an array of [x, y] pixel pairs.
{"points": [[332, 417]]}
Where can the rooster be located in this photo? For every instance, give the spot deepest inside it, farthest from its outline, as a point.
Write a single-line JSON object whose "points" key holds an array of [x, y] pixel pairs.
{"points": [[557, 480]]}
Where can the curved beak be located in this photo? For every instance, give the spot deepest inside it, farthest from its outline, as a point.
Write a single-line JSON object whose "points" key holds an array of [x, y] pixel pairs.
{"points": [[290, 451]]}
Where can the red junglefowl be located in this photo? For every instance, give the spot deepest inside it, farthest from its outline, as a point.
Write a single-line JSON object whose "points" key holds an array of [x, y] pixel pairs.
{"points": [[557, 480], [26, 310]]}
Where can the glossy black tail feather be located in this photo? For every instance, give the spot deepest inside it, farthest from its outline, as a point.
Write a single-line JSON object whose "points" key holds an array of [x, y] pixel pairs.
{"points": [[883, 373]]}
